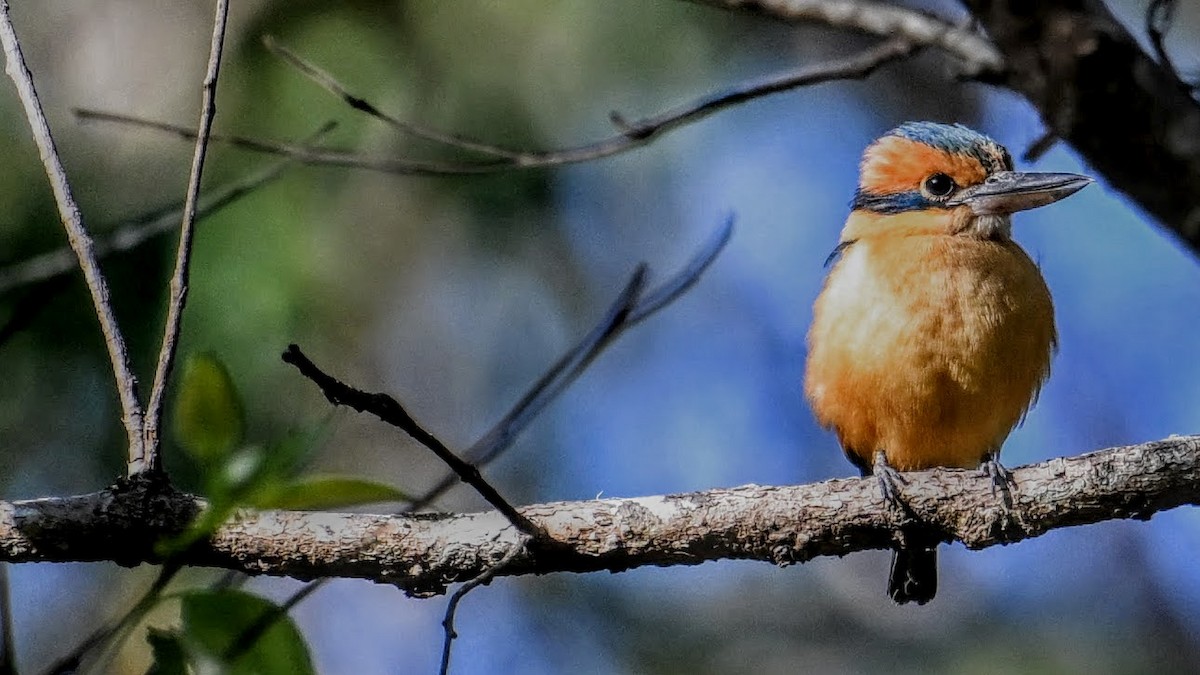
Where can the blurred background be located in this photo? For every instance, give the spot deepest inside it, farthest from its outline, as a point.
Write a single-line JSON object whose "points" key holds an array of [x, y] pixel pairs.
{"points": [[454, 294]]}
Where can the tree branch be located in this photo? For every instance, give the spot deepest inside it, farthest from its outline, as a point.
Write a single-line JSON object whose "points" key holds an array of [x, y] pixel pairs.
{"points": [[150, 463], [978, 56], [632, 134], [455, 598], [77, 234], [1129, 116], [390, 411], [422, 554]]}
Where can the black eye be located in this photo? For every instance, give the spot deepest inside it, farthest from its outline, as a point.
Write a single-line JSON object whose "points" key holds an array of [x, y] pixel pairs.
{"points": [[939, 185]]}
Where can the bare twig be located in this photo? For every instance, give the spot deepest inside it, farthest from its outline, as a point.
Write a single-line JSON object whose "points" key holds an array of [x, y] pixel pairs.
{"points": [[633, 134], [108, 635], [246, 640], [452, 606], [77, 235], [327, 81], [150, 462], [619, 317], [390, 411], [978, 56], [1040, 146], [626, 311], [304, 155], [135, 231]]}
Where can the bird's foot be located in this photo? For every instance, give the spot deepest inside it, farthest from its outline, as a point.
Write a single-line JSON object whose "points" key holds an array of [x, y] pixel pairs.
{"points": [[889, 481], [1002, 478]]}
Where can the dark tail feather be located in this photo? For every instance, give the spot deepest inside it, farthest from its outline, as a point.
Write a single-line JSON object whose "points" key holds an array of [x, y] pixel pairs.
{"points": [[914, 575]]}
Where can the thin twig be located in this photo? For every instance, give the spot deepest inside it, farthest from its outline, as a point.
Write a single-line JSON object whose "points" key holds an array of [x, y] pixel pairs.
{"points": [[81, 242], [51, 266], [327, 81], [139, 229], [1040, 146], [467, 587], [625, 312], [150, 462], [390, 411], [246, 640], [633, 134], [310, 156], [103, 636], [685, 278]]}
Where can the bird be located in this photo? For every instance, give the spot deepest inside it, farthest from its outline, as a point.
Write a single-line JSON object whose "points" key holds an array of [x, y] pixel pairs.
{"points": [[934, 330]]}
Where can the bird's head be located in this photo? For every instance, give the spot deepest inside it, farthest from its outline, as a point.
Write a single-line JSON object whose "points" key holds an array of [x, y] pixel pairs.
{"points": [[929, 178]]}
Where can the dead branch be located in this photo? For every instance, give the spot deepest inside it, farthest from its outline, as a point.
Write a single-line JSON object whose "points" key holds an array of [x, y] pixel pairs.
{"points": [[422, 554], [150, 461], [632, 133], [77, 234]]}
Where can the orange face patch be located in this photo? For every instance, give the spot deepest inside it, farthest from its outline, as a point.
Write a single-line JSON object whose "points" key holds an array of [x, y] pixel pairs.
{"points": [[894, 164]]}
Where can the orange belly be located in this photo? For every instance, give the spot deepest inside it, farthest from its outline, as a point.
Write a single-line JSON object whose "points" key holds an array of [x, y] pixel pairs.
{"points": [[929, 348]]}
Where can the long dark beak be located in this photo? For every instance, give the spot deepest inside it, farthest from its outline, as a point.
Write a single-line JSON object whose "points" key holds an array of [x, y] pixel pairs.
{"points": [[1007, 192]]}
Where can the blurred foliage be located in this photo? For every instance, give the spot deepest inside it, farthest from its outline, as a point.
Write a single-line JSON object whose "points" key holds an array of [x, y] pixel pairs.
{"points": [[214, 622], [208, 416]]}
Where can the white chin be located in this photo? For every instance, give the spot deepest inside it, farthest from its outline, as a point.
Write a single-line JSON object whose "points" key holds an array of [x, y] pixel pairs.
{"points": [[989, 227]]}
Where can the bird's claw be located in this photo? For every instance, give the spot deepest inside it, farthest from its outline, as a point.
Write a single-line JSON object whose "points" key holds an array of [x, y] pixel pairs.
{"points": [[1002, 478], [889, 480]]}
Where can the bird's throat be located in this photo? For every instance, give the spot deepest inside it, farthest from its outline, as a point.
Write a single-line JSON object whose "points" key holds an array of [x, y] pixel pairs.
{"points": [[993, 227]]}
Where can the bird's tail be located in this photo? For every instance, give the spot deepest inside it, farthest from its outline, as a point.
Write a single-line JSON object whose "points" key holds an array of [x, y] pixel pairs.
{"points": [[914, 574]]}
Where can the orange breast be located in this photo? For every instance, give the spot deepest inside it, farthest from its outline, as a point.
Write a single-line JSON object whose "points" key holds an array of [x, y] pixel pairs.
{"points": [[929, 347]]}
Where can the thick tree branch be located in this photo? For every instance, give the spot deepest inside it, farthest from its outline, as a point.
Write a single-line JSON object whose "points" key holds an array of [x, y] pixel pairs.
{"points": [[424, 553], [1129, 116]]}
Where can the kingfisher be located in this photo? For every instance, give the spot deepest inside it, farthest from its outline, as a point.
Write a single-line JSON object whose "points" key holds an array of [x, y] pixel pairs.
{"points": [[934, 330]]}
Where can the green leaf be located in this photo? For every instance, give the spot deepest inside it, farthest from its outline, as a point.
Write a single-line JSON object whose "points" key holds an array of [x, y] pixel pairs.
{"points": [[170, 656], [313, 493], [217, 622], [208, 420], [276, 467]]}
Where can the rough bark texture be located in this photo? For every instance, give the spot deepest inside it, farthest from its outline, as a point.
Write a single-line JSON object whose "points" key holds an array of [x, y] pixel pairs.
{"points": [[782, 525], [1094, 87]]}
